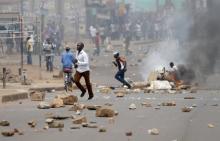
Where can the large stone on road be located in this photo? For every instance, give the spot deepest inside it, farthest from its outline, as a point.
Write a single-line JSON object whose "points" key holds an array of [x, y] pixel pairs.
{"points": [[68, 99], [105, 112], [57, 103], [56, 124], [160, 85], [93, 107], [4, 123], [80, 120], [37, 96], [43, 105], [105, 90], [140, 85], [77, 107], [153, 131], [8, 133]]}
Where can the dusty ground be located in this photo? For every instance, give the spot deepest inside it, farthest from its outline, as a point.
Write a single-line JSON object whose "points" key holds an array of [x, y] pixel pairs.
{"points": [[174, 125]]}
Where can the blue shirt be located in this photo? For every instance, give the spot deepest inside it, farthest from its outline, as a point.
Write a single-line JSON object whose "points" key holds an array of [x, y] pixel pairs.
{"points": [[67, 59]]}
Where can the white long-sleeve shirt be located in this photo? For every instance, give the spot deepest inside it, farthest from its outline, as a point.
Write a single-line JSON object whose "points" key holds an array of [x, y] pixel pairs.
{"points": [[83, 61]]}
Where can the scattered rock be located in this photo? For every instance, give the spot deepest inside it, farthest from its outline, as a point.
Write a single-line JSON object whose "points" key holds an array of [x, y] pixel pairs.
{"points": [[215, 105], [80, 120], [116, 113], [78, 112], [43, 105], [132, 106], [77, 107], [189, 97], [18, 131], [120, 94], [172, 91], [105, 112], [186, 109], [105, 90], [129, 133], [59, 117], [108, 104], [92, 126], [69, 100], [8, 133], [145, 104], [147, 91], [32, 123], [137, 90], [211, 125], [56, 124], [193, 90], [153, 131], [122, 90], [194, 105], [160, 85], [102, 129], [57, 103], [37, 96], [184, 87], [173, 103], [4, 123], [46, 127], [140, 85], [93, 107], [84, 124], [49, 120], [75, 127]]}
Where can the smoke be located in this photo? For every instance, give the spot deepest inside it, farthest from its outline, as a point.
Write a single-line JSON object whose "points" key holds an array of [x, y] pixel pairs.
{"points": [[204, 39], [160, 55], [170, 49], [198, 34]]}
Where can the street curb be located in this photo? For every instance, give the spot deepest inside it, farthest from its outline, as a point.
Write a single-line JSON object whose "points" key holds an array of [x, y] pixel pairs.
{"points": [[58, 88], [13, 97]]}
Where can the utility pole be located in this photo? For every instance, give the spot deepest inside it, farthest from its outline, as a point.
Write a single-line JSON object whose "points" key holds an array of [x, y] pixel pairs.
{"points": [[21, 32]]}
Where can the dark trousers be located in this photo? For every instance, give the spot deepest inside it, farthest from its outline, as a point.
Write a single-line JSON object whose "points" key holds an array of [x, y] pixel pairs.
{"points": [[29, 58], [120, 75], [86, 76], [49, 63]]}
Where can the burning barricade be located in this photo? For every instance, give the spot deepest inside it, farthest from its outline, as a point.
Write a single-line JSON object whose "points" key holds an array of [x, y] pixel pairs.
{"points": [[176, 78]]}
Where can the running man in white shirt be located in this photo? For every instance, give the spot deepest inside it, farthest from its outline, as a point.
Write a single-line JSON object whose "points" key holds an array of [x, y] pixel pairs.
{"points": [[82, 69]]}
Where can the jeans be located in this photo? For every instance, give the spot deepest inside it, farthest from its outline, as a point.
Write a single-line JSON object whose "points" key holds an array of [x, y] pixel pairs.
{"points": [[29, 58], [96, 51], [120, 77], [49, 63]]}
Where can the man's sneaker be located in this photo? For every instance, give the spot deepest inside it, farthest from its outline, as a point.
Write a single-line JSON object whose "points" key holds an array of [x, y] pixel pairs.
{"points": [[129, 86], [90, 97], [83, 94]]}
